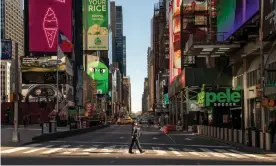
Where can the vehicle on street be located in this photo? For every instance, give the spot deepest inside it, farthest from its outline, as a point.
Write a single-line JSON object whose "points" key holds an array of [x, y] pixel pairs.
{"points": [[122, 121]]}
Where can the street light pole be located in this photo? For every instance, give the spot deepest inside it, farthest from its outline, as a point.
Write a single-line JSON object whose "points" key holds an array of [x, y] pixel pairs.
{"points": [[15, 134]]}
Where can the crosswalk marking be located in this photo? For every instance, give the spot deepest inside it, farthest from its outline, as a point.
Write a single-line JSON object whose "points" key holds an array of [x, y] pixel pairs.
{"points": [[250, 155], [193, 152], [88, 150], [124, 149], [108, 150], [159, 151], [69, 151], [175, 151], [229, 154], [56, 149], [19, 148], [213, 153], [39, 149]]}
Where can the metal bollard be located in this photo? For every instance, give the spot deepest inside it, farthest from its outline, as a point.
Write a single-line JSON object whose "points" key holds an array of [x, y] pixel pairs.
{"points": [[253, 139], [218, 132], [209, 131], [240, 133], [230, 136], [262, 140], [221, 133], [235, 135], [212, 131], [225, 134], [267, 141], [215, 132]]}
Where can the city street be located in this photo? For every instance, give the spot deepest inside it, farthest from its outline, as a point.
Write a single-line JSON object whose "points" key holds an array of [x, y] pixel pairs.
{"points": [[110, 146]]}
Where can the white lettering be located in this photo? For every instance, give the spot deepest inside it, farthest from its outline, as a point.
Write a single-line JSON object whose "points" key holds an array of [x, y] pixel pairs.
{"points": [[97, 5]]}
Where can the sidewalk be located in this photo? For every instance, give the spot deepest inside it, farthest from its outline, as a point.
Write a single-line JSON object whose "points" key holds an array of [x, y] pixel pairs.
{"points": [[25, 134]]}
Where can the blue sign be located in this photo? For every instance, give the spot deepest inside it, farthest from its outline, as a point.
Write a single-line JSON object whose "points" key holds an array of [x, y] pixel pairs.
{"points": [[6, 48]]}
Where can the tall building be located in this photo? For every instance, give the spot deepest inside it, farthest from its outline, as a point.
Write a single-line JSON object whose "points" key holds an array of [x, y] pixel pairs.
{"points": [[11, 29], [124, 55], [119, 40], [127, 93], [113, 28], [5, 81]]}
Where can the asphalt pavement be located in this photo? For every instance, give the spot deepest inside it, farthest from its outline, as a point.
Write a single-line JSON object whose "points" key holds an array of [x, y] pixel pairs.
{"points": [[109, 146]]}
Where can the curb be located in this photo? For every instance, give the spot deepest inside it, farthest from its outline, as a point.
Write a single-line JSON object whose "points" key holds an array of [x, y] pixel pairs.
{"points": [[64, 134], [238, 145]]}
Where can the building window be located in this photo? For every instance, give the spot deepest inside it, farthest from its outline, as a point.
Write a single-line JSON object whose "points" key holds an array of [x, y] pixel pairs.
{"points": [[252, 78]]}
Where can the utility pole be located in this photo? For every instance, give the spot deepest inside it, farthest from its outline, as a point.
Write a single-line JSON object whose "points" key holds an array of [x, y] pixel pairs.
{"points": [[15, 134], [262, 66]]}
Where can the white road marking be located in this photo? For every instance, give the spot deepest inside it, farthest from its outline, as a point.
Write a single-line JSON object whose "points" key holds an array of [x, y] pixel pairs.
{"points": [[56, 149], [193, 152], [188, 139], [154, 144], [39, 149], [175, 151], [69, 151], [89, 150], [229, 154], [159, 151], [154, 138], [108, 150], [124, 149], [19, 148], [213, 153], [250, 155], [122, 137]]}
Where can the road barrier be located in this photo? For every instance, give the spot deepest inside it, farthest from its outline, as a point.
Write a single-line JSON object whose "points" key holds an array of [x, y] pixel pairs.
{"points": [[218, 132], [235, 135], [212, 131], [262, 140], [267, 141], [221, 133], [215, 132], [253, 138], [240, 133], [230, 135], [225, 134]]}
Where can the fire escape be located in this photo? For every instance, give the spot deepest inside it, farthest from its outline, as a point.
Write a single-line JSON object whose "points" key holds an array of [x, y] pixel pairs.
{"points": [[207, 44]]}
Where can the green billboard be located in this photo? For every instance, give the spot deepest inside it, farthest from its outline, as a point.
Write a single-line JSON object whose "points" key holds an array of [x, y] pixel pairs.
{"points": [[98, 71], [95, 14]]}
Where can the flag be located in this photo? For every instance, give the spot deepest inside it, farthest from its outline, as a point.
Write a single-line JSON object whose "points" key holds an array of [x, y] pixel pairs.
{"points": [[64, 40], [60, 53]]}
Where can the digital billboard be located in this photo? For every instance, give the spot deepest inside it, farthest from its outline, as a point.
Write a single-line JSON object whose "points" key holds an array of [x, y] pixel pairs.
{"points": [[197, 26], [6, 50], [95, 14], [233, 14], [46, 17], [98, 71], [269, 20]]}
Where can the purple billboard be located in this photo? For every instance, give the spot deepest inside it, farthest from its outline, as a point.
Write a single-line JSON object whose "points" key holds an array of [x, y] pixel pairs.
{"points": [[46, 17], [232, 14]]}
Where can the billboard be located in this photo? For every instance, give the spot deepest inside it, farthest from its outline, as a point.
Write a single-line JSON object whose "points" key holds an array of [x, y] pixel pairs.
{"points": [[98, 71], [42, 70], [46, 17], [96, 24], [195, 24], [233, 14], [42, 64], [6, 49], [269, 18]]}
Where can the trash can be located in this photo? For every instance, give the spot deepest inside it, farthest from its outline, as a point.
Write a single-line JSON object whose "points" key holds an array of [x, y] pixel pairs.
{"points": [[52, 126]]}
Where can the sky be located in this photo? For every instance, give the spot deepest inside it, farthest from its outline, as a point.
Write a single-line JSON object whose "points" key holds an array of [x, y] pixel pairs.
{"points": [[137, 16]]}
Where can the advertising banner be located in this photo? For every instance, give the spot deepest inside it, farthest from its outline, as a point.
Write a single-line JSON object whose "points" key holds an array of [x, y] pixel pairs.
{"points": [[6, 50], [96, 12], [269, 18], [234, 14], [98, 71], [42, 64], [46, 17]]}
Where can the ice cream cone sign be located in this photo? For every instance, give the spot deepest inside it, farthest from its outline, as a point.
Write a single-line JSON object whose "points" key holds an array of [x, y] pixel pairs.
{"points": [[50, 27]]}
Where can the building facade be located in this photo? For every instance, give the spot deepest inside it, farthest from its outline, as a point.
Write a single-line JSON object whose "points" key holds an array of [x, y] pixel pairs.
{"points": [[127, 94], [5, 81]]}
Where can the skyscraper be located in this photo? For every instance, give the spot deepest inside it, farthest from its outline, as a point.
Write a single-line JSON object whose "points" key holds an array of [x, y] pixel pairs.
{"points": [[124, 55], [120, 41], [2, 18]]}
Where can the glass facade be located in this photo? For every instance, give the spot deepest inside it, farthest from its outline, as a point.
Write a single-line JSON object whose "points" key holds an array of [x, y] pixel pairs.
{"points": [[2, 19], [124, 55]]}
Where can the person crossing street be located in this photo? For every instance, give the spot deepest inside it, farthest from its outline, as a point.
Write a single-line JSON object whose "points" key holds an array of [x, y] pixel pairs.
{"points": [[135, 138]]}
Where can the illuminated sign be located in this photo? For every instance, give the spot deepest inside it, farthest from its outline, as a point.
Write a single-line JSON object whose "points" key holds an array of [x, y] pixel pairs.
{"points": [[46, 17]]}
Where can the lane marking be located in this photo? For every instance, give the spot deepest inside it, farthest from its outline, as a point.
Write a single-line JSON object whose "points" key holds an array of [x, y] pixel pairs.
{"points": [[70, 150], [229, 154], [154, 138], [56, 149], [188, 139], [39, 149], [159, 151], [20, 148], [250, 155], [122, 137], [175, 151], [194, 152], [108, 150], [88, 150], [213, 153], [154, 144]]}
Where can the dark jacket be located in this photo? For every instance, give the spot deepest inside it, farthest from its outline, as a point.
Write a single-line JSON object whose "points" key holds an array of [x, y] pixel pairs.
{"points": [[135, 133]]}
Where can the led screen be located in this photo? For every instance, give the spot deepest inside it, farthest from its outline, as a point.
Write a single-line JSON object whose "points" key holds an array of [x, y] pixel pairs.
{"points": [[46, 17], [232, 14]]}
